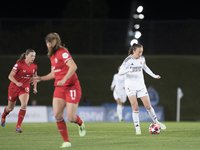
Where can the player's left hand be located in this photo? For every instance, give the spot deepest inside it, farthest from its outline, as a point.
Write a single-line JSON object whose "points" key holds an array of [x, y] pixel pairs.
{"points": [[158, 77]]}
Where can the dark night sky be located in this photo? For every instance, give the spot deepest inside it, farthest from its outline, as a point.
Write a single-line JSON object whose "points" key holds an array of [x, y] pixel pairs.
{"points": [[118, 9]]}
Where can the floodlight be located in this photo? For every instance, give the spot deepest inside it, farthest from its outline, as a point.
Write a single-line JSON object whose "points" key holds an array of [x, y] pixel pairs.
{"points": [[140, 9], [133, 41]]}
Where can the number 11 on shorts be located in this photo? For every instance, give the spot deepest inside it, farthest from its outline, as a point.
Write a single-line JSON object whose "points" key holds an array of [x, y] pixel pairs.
{"points": [[73, 94]]}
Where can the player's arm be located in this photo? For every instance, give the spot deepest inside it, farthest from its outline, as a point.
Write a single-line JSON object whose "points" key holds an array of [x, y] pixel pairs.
{"points": [[35, 84], [124, 69], [147, 70], [72, 69], [12, 79], [113, 83], [47, 77]]}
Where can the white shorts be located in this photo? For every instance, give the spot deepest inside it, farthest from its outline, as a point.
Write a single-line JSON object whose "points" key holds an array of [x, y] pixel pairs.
{"points": [[120, 95], [139, 93]]}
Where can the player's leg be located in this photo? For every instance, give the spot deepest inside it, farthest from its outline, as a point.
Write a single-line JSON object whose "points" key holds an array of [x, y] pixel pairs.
{"points": [[58, 108], [115, 98], [122, 100], [119, 109], [59, 104], [12, 98], [149, 108], [135, 113], [72, 117], [73, 96], [6, 111], [22, 112]]}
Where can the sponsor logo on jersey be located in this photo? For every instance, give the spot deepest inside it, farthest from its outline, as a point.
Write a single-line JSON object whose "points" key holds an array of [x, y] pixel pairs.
{"points": [[136, 69], [57, 70], [27, 77], [24, 70], [16, 65]]}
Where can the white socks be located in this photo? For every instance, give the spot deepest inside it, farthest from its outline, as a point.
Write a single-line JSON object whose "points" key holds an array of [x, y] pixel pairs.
{"points": [[136, 120], [119, 111], [135, 115], [153, 115]]}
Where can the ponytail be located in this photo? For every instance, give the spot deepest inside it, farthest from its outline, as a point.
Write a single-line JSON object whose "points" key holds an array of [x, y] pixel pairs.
{"points": [[26, 53], [133, 48], [21, 57]]}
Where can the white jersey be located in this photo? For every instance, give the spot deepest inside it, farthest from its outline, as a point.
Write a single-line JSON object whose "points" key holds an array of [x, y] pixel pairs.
{"points": [[118, 84], [135, 80]]}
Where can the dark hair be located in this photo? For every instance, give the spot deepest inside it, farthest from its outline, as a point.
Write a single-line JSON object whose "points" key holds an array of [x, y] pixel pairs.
{"points": [[26, 53], [55, 41], [133, 48]]}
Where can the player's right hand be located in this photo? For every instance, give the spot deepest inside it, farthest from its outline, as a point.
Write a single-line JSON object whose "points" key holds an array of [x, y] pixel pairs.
{"points": [[19, 84]]}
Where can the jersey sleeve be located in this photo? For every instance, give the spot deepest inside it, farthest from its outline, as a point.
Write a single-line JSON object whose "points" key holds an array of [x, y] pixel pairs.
{"points": [[124, 68], [148, 71], [16, 67], [65, 56]]}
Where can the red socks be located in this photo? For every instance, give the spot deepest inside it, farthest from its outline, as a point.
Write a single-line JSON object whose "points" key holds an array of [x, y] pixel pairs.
{"points": [[5, 113], [21, 116], [62, 129], [78, 120]]}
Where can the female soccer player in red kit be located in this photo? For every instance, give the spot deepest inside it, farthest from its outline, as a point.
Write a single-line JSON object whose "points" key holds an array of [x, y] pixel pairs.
{"points": [[19, 86], [67, 91]]}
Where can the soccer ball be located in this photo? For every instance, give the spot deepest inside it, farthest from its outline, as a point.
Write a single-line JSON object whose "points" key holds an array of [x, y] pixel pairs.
{"points": [[154, 128]]}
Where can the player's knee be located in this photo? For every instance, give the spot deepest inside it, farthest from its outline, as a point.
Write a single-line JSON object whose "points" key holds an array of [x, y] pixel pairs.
{"points": [[9, 108], [148, 107], [71, 118], [23, 106], [135, 108], [58, 116]]}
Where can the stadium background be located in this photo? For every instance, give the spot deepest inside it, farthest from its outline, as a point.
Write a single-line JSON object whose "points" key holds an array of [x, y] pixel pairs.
{"points": [[95, 74], [99, 45]]}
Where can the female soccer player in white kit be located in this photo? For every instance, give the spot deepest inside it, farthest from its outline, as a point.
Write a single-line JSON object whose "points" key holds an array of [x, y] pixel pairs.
{"points": [[135, 87], [119, 93]]}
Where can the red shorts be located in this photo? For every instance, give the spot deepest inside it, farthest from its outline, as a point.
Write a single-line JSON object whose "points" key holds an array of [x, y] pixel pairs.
{"points": [[14, 92], [71, 94]]}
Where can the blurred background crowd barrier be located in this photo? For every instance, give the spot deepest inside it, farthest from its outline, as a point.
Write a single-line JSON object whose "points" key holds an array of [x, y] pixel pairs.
{"points": [[88, 114]]}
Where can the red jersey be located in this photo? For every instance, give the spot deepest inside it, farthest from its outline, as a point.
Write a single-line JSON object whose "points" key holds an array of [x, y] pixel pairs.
{"points": [[58, 63], [23, 73]]}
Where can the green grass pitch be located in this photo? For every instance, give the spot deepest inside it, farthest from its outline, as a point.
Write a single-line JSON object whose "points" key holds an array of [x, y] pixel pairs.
{"points": [[102, 136]]}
